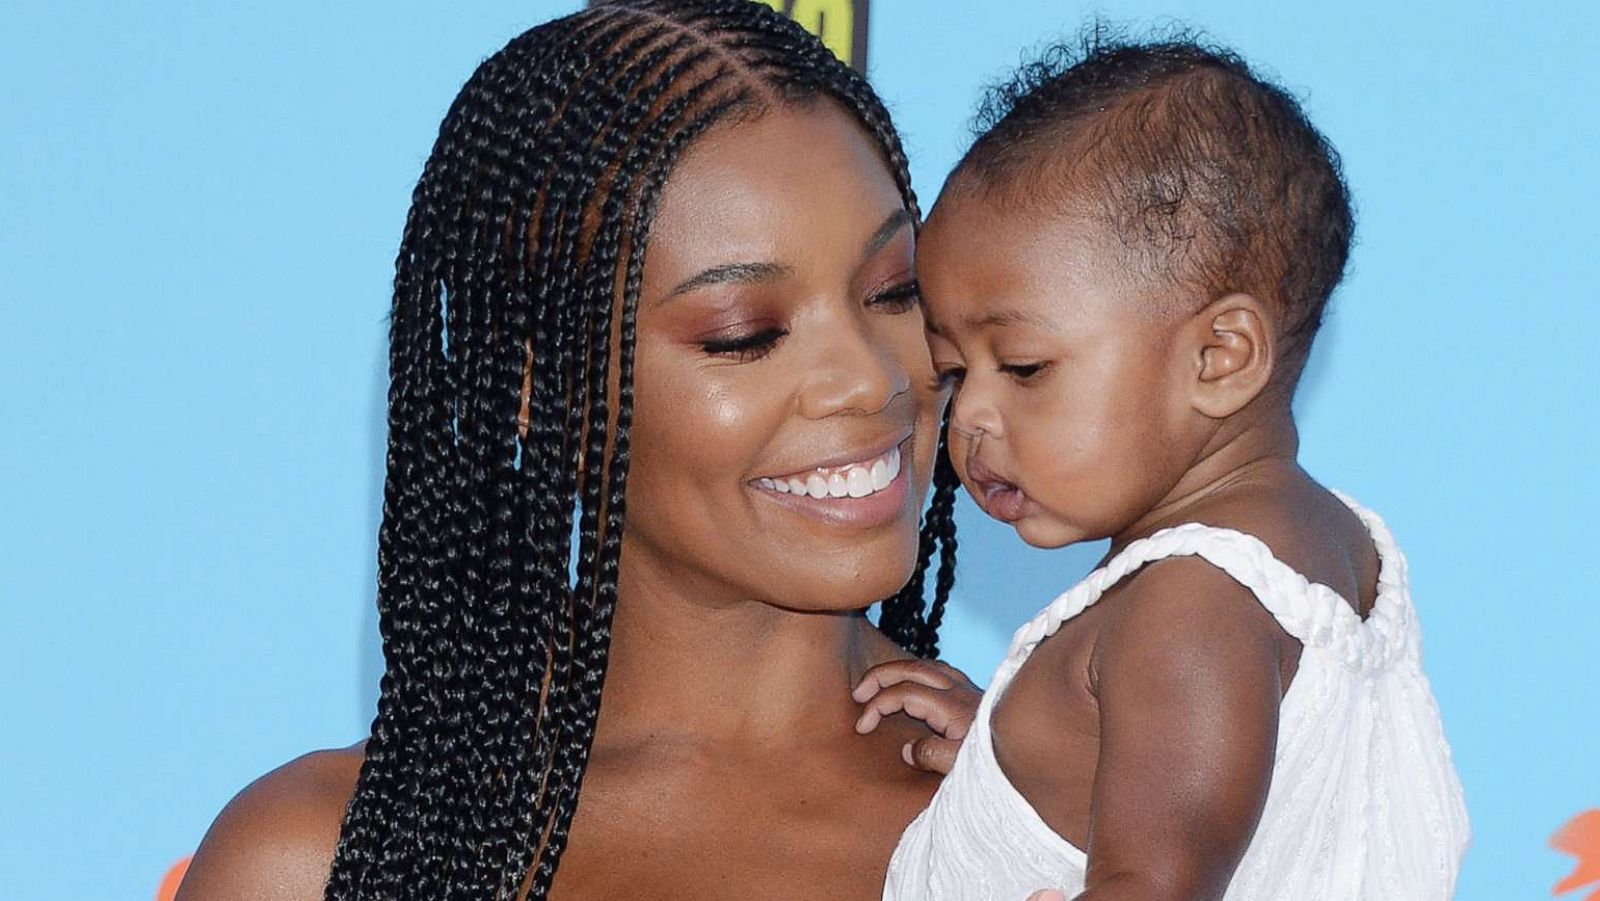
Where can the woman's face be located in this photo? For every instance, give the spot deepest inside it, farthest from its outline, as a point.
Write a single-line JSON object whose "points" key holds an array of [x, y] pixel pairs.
{"points": [[780, 356]]}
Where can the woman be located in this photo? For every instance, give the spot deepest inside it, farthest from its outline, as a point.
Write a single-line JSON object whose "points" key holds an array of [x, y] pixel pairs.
{"points": [[754, 390]]}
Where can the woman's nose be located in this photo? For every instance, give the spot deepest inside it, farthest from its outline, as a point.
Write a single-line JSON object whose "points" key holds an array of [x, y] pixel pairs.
{"points": [[853, 373]]}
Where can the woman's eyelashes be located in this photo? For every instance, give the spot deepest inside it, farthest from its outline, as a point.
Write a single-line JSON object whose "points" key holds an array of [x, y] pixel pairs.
{"points": [[900, 298], [746, 347], [753, 344]]}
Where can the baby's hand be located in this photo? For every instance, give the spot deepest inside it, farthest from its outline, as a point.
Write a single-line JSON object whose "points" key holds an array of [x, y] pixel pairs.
{"points": [[932, 691]]}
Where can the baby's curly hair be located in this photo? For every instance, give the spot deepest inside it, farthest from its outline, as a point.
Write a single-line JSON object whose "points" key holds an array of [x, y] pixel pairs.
{"points": [[1212, 178]]}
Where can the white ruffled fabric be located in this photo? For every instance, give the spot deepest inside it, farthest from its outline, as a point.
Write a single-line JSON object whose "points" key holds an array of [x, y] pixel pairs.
{"points": [[1364, 805]]}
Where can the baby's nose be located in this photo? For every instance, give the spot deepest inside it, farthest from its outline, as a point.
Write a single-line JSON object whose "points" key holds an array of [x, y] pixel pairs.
{"points": [[972, 415]]}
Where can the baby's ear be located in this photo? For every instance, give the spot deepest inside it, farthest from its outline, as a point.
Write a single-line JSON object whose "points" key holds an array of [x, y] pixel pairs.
{"points": [[1235, 354]]}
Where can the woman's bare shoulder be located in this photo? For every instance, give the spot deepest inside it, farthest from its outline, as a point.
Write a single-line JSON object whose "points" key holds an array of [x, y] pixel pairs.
{"points": [[275, 840]]}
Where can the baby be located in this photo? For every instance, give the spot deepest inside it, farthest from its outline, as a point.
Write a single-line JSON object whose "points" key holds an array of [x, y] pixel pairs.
{"points": [[1122, 281]]}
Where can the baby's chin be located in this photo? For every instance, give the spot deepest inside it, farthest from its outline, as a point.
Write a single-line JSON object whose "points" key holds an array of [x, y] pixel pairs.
{"points": [[1042, 530]]}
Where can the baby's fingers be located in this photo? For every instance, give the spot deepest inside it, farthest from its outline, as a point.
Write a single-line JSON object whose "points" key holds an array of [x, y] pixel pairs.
{"points": [[1048, 894], [955, 675], [895, 672], [932, 754], [947, 712]]}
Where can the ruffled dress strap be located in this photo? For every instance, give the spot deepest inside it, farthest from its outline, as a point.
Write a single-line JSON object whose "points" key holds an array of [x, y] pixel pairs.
{"points": [[1315, 614]]}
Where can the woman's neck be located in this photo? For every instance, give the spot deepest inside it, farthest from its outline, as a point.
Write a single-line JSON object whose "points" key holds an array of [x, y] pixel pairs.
{"points": [[731, 673]]}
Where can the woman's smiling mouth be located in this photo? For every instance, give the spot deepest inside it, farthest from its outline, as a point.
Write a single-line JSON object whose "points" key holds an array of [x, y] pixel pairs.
{"points": [[856, 480], [865, 493]]}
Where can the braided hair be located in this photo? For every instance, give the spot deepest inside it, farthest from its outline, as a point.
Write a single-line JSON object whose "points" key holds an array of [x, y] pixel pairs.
{"points": [[520, 264]]}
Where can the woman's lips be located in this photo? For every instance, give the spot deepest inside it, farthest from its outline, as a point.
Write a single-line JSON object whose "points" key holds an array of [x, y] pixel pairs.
{"points": [[856, 479], [865, 494]]}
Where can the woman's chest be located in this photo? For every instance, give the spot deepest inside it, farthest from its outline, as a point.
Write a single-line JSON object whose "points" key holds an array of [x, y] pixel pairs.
{"points": [[697, 865], [794, 829]]}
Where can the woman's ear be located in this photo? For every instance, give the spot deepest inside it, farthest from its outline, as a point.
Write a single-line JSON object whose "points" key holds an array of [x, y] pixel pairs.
{"points": [[1235, 354]]}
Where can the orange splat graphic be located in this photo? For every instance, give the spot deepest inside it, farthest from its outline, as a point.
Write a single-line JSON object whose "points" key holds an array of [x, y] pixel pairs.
{"points": [[169, 882], [1581, 839]]}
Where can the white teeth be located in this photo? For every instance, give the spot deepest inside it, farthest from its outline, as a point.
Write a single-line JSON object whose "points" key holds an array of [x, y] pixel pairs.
{"points": [[880, 475], [854, 481]]}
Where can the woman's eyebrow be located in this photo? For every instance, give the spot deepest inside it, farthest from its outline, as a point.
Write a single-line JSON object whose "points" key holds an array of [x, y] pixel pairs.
{"points": [[891, 226], [755, 273], [731, 274]]}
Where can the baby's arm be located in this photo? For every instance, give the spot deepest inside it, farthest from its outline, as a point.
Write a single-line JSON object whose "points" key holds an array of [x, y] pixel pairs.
{"points": [[1187, 673]]}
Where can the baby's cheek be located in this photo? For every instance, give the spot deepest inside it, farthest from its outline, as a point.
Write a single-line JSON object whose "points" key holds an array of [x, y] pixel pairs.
{"points": [[1075, 472], [1060, 445]]}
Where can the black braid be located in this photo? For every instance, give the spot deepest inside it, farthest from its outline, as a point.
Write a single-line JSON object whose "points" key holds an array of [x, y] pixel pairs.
{"points": [[535, 203], [908, 617]]}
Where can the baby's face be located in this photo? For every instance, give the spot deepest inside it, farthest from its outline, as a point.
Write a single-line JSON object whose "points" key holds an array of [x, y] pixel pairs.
{"points": [[1070, 417]]}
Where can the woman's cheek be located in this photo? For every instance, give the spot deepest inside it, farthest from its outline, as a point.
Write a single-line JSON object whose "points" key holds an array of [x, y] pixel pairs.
{"points": [[931, 404], [911, 348], [726, 411]]}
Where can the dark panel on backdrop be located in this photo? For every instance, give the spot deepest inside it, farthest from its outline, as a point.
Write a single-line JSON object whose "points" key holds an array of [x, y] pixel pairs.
{"points": [[842, 24]]}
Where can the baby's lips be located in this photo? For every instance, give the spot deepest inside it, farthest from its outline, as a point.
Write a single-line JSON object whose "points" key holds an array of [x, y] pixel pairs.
{"points": [[986, 477]]}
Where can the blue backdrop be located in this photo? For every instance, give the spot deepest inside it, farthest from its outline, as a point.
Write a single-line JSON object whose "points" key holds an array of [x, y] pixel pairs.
{"points": [[199, 206]]}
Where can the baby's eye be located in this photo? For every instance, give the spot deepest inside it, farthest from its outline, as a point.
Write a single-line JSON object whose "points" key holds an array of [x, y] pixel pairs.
{"points": [[1023, 372], [950, 376], [744, 348], [899, 298]]}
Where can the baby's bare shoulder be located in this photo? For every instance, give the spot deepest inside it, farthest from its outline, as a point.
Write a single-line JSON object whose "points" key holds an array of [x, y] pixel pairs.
{"points": [[1184, 612], [1311, 531], [275, 840]]}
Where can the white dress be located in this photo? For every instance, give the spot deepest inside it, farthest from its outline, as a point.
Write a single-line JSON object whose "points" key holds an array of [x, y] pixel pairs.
{"points": [[1364, 801]]}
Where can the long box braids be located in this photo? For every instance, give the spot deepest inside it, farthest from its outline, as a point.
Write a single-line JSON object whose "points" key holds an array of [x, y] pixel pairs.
{"points": [[518, 270]]}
